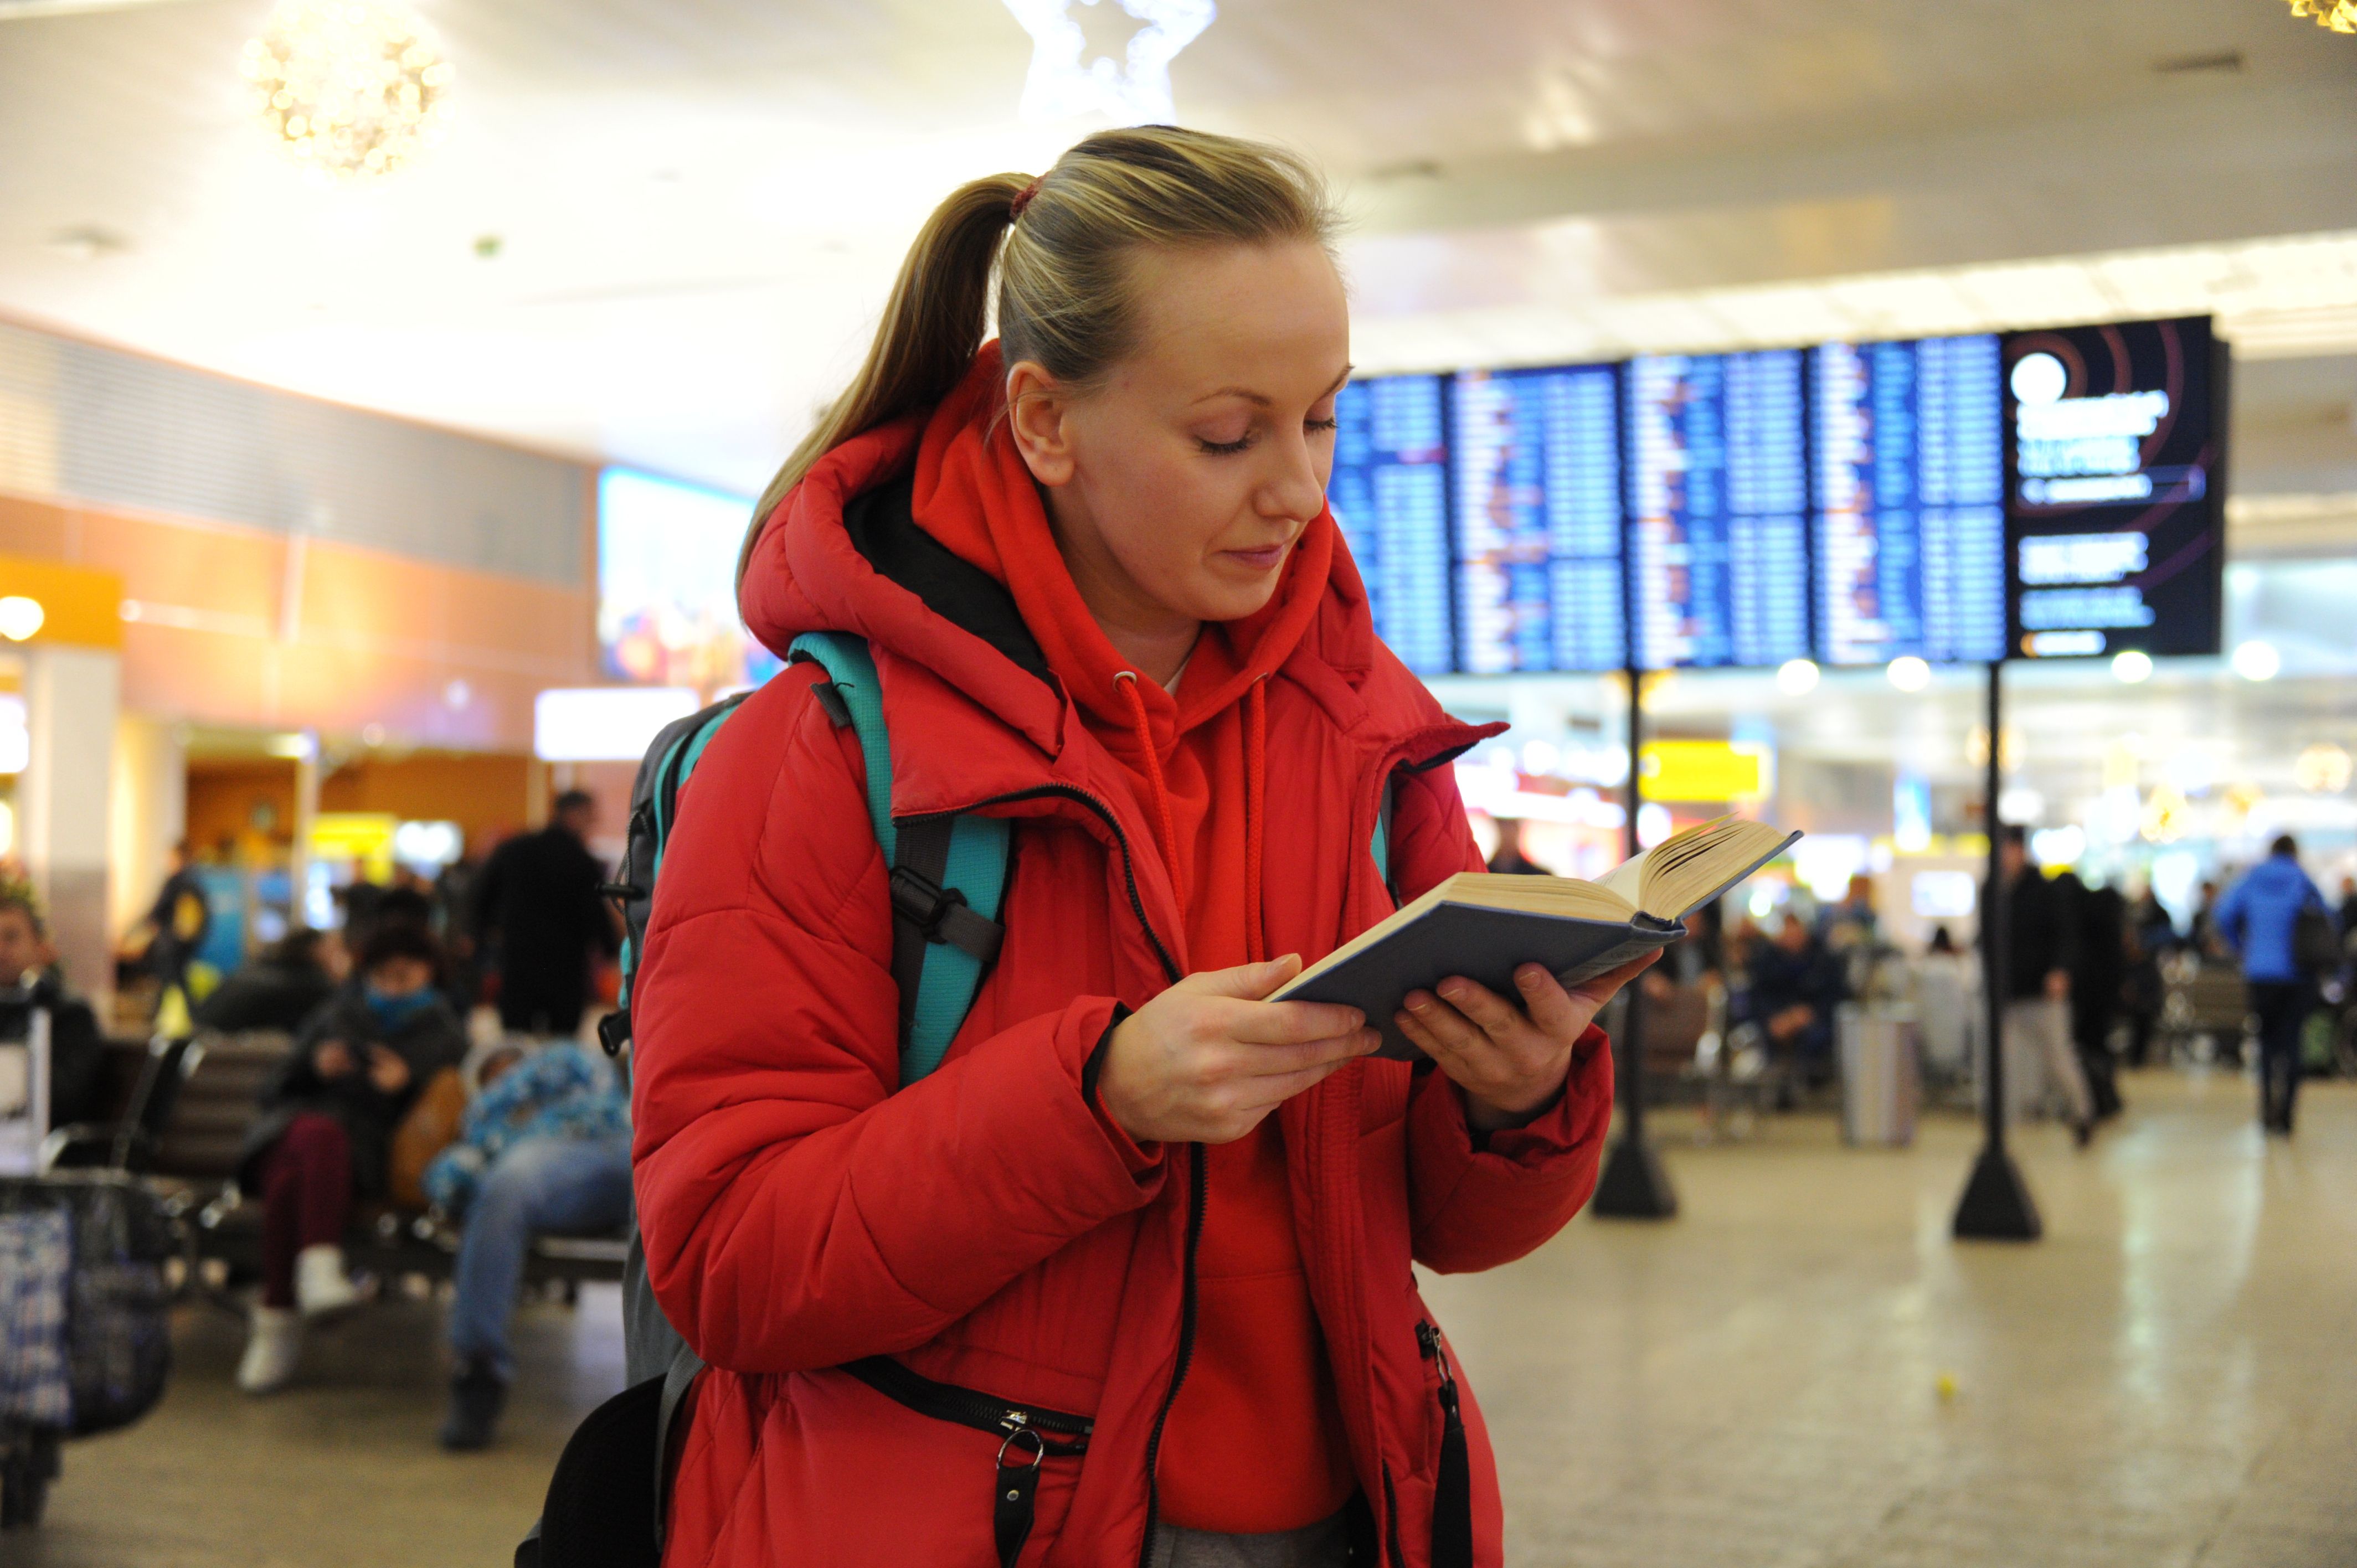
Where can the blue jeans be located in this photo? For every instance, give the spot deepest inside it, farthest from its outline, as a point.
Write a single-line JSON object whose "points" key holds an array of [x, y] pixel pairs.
{"points": [[577, 1187]]}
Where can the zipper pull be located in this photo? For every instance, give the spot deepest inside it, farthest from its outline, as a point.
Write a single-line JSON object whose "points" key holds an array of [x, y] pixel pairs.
{"points": [[1428, 1339]]}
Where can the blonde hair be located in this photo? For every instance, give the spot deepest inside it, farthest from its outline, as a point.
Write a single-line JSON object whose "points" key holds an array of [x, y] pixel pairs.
{"points": [[1059, 248]]}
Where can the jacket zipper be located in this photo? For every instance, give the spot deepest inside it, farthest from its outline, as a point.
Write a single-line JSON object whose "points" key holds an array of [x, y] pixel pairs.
{"points": [[970, 1407], [1195, 1174], [1452, 1497], [1105, 813]]}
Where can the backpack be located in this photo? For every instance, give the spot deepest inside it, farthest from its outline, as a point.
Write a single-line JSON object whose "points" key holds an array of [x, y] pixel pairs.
{"points": [[949, 875]]}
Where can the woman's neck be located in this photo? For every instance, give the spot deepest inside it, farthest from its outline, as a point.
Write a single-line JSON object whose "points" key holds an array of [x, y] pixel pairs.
{"points": [[1153, 639]]}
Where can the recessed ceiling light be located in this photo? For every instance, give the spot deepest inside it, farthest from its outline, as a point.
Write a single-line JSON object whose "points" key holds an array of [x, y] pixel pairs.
{"points": [[89, 242]]}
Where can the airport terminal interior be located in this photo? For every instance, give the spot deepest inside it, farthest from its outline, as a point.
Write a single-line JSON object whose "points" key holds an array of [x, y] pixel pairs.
{"points": [[1926, 430]]}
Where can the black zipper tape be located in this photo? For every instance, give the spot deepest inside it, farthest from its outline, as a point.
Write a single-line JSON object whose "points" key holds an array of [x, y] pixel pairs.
{"points": [[1452, 1488]]}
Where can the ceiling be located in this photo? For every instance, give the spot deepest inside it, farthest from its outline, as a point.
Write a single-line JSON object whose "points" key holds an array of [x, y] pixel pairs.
{"points": [[698, 203]]}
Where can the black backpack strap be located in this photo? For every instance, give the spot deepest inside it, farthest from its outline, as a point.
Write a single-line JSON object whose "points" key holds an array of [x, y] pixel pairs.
{"points": [[925, 913]]}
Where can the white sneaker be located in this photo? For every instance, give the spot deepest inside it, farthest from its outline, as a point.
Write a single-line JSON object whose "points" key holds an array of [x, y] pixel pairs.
{"points": [[273, 1343], [322, 1289]]}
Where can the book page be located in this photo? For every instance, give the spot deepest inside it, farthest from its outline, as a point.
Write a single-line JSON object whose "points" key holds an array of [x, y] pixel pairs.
{"points": [[1683, 872]]}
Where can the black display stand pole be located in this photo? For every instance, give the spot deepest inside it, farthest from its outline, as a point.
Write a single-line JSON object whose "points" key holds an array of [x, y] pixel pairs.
{"points": [[1997, 1205], [1633, 1184]]}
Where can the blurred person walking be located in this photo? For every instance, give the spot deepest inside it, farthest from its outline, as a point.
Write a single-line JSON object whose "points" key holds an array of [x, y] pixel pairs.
{"points": [[2041, 944], [1104, 594], [326, 1133], [2260, 918], [2098, 979], [538, 897], [177, 921], [2151, 936]]}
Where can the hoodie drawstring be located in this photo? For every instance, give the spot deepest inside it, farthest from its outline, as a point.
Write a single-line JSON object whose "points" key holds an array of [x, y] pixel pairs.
{"points": [[1256, 814], [1255, 795], [1165, 834]]}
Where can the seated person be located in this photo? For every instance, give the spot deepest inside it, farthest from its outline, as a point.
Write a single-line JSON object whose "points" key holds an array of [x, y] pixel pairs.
{"points": [[544, 1148], [29, 982], [279, 989], [326, 1133], [1796, 984]]}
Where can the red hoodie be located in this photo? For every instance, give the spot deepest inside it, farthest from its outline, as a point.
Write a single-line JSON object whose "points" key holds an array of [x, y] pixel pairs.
{"points": [[985, 1228], [1254, 1442]]}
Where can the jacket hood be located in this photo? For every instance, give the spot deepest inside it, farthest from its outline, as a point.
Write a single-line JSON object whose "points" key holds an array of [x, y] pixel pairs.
{"points": [[858, 546]]}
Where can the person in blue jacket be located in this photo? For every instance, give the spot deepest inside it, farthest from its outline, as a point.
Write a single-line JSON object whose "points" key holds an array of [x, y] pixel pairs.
{"points": [[2257, 918]]}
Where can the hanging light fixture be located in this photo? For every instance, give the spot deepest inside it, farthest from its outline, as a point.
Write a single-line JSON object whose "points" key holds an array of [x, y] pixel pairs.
{"points": [[2341, 16], [351, 88]]}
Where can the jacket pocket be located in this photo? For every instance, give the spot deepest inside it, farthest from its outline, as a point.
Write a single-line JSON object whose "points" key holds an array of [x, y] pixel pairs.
{"points": [[1029, 1437]]}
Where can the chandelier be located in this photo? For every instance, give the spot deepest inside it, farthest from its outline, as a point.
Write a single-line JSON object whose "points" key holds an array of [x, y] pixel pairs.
{"points": [[351, 88], [2341, 16]]}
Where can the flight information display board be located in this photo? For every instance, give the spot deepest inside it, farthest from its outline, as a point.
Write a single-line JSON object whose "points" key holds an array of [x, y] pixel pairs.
{"points": [[1718, 497], [1910, 525], [1538, 551], [2114, 488], [1389, 492]]}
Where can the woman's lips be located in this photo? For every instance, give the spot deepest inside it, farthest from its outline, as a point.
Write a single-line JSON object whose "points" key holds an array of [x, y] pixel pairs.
{"points": [[1266, 558]]}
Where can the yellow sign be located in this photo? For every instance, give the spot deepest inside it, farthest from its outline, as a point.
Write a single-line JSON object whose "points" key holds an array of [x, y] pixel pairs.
{"points": [[363, 836], [59, 603], [1710, 770]]}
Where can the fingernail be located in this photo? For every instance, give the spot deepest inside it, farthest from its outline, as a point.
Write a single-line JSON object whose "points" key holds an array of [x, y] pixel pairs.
{"points": [[1452, 992], [1418, 1002]]}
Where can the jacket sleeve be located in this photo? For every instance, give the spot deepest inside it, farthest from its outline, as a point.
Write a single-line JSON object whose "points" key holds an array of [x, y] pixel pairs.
{"points": [[796, 1212], [1475, 1204]]}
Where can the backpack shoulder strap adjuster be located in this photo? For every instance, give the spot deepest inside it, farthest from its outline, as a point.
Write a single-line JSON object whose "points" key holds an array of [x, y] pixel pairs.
{"points": [[943, 915]]}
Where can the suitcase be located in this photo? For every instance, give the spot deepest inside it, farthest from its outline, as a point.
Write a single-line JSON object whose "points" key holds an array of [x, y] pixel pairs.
{"points": [[85, 1332]]}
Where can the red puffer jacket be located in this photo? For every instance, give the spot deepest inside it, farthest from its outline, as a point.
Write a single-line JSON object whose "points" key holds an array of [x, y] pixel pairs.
{"points": [[981, 1227]]}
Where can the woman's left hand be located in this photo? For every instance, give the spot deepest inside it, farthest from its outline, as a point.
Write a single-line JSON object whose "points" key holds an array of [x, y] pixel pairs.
{"points": [[1510, 1060]]}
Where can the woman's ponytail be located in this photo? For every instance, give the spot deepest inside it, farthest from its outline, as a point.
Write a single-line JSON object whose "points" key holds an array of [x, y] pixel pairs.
{"points": [[1068, 297], [933, 322]]}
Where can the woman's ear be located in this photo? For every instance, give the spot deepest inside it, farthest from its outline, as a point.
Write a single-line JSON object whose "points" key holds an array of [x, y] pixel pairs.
{"points": [[1038, 417]]}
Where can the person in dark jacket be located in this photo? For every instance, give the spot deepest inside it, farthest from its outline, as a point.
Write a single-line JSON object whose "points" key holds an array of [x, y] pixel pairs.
{"points": [[181, 917], [280, 990], [2097, 981], [326, 1133], [2257, 918], [2041, 948], [1796, 986], [29, 985], [537, 896], [2151, 935]]}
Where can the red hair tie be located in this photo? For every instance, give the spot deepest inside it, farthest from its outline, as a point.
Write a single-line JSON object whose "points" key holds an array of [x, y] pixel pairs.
{"points": [[1022, 199]]}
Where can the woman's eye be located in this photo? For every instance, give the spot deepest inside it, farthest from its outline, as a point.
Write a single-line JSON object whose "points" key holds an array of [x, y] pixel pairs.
{"points": [[1224, 449], [1326, 424]]}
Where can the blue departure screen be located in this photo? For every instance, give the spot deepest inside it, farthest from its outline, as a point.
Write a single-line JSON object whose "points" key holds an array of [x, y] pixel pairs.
{"points": [[1911, 500], [1389, 492], [1538, 520], [1718, 498]]}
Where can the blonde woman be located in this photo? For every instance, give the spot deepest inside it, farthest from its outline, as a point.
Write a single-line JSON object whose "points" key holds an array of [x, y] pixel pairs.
{"points": [[1162, 1225]]}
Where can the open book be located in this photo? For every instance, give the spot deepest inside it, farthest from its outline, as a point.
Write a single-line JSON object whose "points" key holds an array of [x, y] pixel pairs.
{"points": [[1484, 926]]}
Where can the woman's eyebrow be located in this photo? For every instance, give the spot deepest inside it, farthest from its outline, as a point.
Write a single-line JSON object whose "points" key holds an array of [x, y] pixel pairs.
{"points": [[1263, 399]]}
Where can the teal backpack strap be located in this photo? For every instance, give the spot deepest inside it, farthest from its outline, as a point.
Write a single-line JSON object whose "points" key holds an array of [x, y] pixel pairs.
{"points": [[949, 873], [1382, 840]]}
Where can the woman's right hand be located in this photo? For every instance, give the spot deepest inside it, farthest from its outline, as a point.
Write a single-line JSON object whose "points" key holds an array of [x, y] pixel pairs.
{"points": [[1204, 1061]]}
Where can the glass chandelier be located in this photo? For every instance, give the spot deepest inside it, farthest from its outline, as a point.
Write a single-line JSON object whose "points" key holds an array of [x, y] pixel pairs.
{"points": [[2341, 16], [350, 88]]}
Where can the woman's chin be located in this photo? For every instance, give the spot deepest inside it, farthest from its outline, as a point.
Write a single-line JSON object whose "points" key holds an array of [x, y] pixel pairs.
{"points": [[1221, 596]]}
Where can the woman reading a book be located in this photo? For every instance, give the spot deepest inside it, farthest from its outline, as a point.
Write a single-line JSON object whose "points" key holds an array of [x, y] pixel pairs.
{"points": [[1161, 1223]]}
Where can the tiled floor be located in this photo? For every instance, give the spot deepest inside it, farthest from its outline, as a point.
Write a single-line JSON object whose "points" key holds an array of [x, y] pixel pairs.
{"points": [[2165, 1381]]}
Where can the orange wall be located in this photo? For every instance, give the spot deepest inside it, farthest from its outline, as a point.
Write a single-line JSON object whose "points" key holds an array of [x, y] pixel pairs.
{"points": [[239, 625], [223, 794], [486, 795]]}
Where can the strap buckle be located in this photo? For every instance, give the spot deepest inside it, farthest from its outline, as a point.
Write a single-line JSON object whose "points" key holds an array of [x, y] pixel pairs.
{"points": [[922, 902]]}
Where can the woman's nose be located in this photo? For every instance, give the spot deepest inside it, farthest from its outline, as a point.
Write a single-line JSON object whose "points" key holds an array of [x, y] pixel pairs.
{"points": [[1296, 488]]}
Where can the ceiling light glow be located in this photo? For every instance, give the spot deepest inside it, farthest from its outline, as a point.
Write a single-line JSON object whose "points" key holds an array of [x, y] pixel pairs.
{"points": [[20, 617], [2257, 660], [1796, 677], [1063, 82], [2132, 665], [350, 88], [1908, 673]]}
